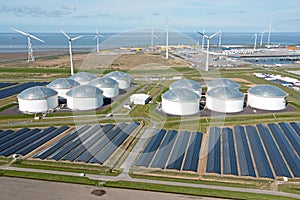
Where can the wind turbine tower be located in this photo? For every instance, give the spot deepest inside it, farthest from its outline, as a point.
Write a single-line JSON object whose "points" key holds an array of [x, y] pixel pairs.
{"points": [[202, 47], [70, 49], [97, 40], [29, 36], [220, 38], [208, 39], [261, 38], [152, 39], [270, 30], [255, 41], [167, 39]]}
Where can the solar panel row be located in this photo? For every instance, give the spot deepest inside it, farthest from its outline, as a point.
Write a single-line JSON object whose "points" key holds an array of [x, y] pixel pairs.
{"points": [[214, 150], [24, 141], [19, 88], [90, 144], [192, 155], [229, 157], [3, 85]]}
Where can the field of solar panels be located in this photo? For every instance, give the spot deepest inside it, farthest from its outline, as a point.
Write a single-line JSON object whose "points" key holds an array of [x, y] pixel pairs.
{"points": [[259, 151]]}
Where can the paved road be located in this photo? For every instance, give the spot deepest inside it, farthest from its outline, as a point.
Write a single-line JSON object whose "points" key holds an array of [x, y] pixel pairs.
{"points": [[127, 178]]}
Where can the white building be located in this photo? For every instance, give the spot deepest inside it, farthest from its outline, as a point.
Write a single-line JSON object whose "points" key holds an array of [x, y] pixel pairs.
{"points": [[84, 97], [109, 86], [267, 97], [122, 78], [225, 100], [62, 86], [83, 78], [140, 99], [188, 84], [38, 99], [180, 101], [221, 82]]}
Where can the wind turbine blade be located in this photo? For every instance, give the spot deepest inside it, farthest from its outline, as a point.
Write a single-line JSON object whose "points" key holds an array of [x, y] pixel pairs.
{"points": [[23, 33], [202, 34], [34, 37], [95, 37], [65, 34], [213, 35], [75, 38]]}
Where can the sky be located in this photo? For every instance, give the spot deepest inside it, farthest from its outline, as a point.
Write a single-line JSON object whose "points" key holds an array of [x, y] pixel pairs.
{"points": [[124, 15]]}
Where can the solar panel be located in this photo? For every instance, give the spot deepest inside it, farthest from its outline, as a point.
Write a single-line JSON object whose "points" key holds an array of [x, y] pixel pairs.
{"points": [[243, 152], [3, 85], [296, 127], [229, 157], [149, 151], [162, 155], [5, 133], [192, 157], [291, 135], [286, 149], [19, 88], [213, 160], [276, 159], [42, 140], [12, 135], [260, 158], [178, 152]]}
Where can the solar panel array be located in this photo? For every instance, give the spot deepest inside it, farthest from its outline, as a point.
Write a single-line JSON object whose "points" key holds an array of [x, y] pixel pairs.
{"points": [[272, 149], [172, 150], [19, 88], [25, 140], [89, 144], [3, 85]]}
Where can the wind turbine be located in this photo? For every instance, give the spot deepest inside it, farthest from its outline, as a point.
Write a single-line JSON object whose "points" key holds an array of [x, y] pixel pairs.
{"points": [[255, 41], [70, 48], [220, 38], [29, 36], [261, 38], [208, 39], [270, 30], [202, 47], [167, 39], [97, 39], [152, 39]]}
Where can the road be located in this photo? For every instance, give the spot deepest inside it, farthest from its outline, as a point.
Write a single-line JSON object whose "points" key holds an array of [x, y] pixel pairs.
{"points": [[128, 178]]}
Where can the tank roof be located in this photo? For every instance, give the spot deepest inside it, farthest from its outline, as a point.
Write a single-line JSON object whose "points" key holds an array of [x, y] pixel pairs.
{"points": [[63, 83], [37, 93], [266, 90], [186, 83], [83, 77], [180, 95], [223, 82], [118, 75], [225, 93], [104, 82], [84, 91]]}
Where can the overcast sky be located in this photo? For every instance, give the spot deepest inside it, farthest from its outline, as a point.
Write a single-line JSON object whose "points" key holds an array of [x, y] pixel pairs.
{"points": [[123, 15]]}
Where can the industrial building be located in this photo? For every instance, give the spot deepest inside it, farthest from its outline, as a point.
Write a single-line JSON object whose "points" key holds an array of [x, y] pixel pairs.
{"points": [[180, 101], [109, 86], [189, 84], [62, 86], [267, 97], [83, 78], [122, 78], [222, 82], [84, 97], [225, 99], [140, 99], [38, 99]]}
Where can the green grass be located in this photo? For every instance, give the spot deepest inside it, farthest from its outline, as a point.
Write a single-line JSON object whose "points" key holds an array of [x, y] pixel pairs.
{"points": [[191, 191], [240, 183], [67, 167], [4, 160], [289, 188], [7, 106], [49, 177]]}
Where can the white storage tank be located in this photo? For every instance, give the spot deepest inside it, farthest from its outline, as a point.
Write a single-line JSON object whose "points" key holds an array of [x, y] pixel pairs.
{"points": [[121, 77], [84, 97], [62, 86], [225, 100], [180, 101], [83, 78], [189, 84], [38, 99], [221, 82], [109, 86], [267, 97]]}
